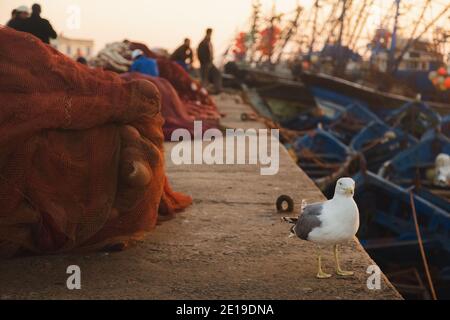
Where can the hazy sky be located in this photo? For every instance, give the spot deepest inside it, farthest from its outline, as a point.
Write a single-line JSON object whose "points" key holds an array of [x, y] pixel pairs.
{"points": [[161, 23], [165, 23]]}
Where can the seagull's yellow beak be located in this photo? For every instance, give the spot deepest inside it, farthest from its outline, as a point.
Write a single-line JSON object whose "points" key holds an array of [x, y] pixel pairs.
{"points": [[350, 191]]}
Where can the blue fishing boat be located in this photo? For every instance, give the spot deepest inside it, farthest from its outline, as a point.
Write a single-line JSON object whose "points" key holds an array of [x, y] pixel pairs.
{"points": [[324, 115], [388, 231], [414, 118], [443, 128], [329, 89], [389, 205], [280, 104], [397, 71], [323, 157], [308, 120], [342, 121], [379, 143], [351, 121], [416, 165]]}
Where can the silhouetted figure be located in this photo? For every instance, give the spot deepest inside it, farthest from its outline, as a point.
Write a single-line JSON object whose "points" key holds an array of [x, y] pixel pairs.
{"points": [[208, 70], [82, 60], [13, 16], [19, 19], [143, 64], [39, 27], [183, 55]]}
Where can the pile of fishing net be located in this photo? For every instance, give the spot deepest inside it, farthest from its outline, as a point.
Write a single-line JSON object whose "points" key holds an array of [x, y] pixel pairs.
{"points": [[115, 56], [173, 110], [81, 153], [190, 95]]}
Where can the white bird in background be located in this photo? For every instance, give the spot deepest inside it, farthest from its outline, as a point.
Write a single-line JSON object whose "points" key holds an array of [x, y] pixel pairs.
{"points": [[442, 170], [331, 222]]}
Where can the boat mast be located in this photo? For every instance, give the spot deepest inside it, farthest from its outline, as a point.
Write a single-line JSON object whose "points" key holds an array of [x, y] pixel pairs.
{"points": [[339, 64], [360, 22], [273, 19], [330, 21], [394, 36], [341, 22], [254, 28], [291, 31], [313, 36], [271, 30]]}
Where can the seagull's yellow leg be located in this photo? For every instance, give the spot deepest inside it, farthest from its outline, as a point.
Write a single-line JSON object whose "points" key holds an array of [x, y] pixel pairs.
{"points": [[320, 273], [339, 271]]}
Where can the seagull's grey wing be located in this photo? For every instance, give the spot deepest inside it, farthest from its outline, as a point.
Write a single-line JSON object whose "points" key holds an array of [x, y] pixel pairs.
{"points": [[308, 220]]}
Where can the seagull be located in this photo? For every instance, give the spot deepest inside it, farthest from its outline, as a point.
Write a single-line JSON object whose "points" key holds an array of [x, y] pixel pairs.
{"points": [[442, 170], [331, 222]]}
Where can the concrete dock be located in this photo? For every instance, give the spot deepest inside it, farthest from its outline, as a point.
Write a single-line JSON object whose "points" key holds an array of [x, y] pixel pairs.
{"points": [[230, 244]]}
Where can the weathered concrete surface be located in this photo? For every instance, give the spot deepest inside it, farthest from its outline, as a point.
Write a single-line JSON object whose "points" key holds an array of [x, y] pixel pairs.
{"points": [[230, 244]]}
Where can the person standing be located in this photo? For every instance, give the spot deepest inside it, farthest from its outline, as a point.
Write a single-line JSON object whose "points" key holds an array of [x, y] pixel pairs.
{"points": [[13, 17], [18, 20], [39, 27], [143, 64], [183, 55], [82, 60], [208, 70]]}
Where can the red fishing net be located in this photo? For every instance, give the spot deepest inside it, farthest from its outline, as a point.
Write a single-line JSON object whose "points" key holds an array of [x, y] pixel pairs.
{"points": [[175, 111], [81, 153], [189, 97]]}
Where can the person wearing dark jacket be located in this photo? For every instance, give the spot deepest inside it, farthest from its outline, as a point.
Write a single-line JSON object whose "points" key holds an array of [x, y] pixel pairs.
{"points": [[208, 70], [19, 18], [183, 55], [39, 27], [13, 17]]}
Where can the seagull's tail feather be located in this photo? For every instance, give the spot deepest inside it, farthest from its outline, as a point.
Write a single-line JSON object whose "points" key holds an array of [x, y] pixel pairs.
{"points": [[292, 233], [290, 221]]}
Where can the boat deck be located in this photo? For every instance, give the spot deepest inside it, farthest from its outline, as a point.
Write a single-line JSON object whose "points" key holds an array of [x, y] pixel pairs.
{"points": [[230, 244]]}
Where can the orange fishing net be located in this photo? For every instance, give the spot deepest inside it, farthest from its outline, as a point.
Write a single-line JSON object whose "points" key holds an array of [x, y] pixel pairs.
{"points": [[176, 113], [81, 153], [190, 91], [183, 99]]}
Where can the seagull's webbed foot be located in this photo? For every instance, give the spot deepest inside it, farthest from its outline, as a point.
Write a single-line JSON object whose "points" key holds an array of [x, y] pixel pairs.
{"points": [[339, 271], [344, 273], [320, 273], [323, 275]]}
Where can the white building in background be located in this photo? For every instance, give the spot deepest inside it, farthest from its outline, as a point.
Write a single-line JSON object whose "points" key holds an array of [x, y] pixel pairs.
{"points": [[421, 56], [73, 48]]}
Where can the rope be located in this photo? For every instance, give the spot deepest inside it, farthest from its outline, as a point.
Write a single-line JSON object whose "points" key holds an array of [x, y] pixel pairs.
{"points": [[422, 250], [309, 155], [372, 144]]}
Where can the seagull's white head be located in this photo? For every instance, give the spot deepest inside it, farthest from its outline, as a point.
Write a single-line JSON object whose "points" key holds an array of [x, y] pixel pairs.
{"points": [[442, 160], [345, 187], [442, 170]]}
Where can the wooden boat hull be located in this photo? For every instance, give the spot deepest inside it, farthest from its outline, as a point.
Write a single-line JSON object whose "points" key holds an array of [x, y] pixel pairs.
{"points": [[337, 90]]}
